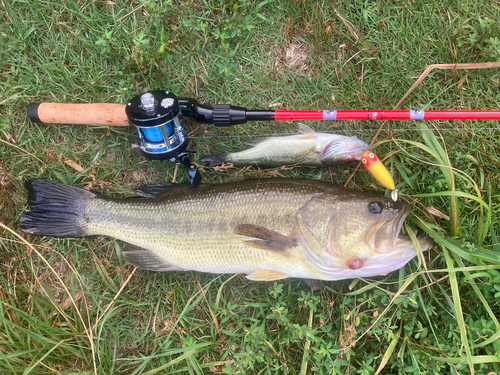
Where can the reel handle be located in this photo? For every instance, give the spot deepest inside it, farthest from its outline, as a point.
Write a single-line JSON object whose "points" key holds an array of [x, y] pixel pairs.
{"points": [[108, 114]]}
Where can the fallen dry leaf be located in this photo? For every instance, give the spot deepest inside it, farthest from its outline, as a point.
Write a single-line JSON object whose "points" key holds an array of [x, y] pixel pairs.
{"points": [[434, 211], [74, 165]]}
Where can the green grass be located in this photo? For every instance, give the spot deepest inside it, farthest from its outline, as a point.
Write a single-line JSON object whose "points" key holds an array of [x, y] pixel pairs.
{"points": [[72, 305]]}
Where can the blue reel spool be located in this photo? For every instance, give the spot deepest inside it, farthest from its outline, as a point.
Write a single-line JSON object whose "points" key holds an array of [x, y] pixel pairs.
{"points": [[155, 115]]}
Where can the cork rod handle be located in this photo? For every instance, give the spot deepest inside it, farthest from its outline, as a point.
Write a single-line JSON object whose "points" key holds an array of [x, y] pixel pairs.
{"points": [[84, 114]]}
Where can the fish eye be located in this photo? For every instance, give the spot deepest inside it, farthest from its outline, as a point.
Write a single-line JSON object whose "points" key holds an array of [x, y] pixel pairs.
{"points": [[375, 207]]}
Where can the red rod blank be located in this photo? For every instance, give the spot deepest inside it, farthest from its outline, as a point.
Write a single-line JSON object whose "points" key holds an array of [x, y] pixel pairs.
{"points": [[385, 115]]}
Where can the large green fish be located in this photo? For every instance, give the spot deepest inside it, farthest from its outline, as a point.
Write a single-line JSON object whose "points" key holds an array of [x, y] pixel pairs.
{"points": [[269, 229]]}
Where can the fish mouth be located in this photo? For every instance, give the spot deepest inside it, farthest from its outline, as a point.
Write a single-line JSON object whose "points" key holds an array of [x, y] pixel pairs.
{"points": [[349, 151], [382, 238], [392, 250], [404, 241], [403, 251]]}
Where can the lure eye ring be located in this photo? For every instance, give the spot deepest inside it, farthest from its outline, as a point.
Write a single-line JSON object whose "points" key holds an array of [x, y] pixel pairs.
{"points": [[375, 207]]}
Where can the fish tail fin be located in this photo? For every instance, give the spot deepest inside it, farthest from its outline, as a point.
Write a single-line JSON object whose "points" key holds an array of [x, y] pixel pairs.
{"points": [[57, 210], [214, 160]]}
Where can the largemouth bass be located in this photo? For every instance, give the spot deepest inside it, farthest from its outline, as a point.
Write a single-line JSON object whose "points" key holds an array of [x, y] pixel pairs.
{"points": [[269, 229], [309, 149]]}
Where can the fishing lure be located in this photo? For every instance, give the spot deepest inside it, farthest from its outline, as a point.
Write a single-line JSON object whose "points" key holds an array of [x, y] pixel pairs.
{"points": [[379, 171]]}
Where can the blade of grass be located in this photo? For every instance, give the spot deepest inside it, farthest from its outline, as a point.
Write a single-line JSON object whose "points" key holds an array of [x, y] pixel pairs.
{"points": [[412, 355], [190, 352], [432, 142], [455, 292], [30, 368], [489, 341], [455, 247], [307, 346], [390, 350], [476, 360], [479, 294], [427, 316], [453, 194]]}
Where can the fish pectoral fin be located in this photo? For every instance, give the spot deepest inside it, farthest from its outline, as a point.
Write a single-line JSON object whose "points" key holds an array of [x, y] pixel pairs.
{"points": [[268, 239], [306, 153], [146, 260], [267, 275], [314, 284]]}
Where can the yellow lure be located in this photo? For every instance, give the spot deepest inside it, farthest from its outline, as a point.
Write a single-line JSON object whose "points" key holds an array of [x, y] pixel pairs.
{"points": [[377, 169]]}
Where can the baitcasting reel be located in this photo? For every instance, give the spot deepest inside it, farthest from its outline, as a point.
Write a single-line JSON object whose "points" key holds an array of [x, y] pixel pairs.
{"points": [[162, 135], [155, 115]]}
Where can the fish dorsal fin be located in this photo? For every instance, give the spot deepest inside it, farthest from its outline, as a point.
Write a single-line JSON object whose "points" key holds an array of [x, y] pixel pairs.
{"points": [[268, 239], [305, 129], [254, 142], [267, 275], [146, 260], [306, 132], [153, 191]]}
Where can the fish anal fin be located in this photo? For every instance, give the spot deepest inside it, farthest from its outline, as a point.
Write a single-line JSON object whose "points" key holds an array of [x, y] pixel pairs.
{"points": [[267, 239], [146, 260], [267, 275], [214, 160]]}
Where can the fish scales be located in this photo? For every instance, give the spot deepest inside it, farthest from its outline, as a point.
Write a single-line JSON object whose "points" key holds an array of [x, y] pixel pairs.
{"points": [[172, 227], [272, 153], [269, 229]]}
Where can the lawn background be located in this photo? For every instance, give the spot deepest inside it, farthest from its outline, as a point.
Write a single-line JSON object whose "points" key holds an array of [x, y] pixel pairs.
{"points": [[73, 306]]}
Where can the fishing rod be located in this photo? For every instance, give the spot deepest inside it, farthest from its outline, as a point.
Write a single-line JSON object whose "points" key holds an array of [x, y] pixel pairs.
{"points": [[157, 116]]}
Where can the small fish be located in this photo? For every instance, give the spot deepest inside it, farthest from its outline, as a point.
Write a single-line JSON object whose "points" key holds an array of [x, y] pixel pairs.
{"points": [[269, 229], [306, 149], [380, 172]]}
